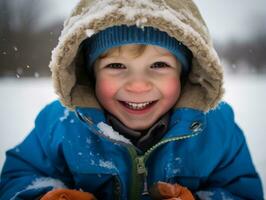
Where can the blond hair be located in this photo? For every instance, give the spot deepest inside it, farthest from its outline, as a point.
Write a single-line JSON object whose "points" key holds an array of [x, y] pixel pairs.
{"points": [[134, 50]]}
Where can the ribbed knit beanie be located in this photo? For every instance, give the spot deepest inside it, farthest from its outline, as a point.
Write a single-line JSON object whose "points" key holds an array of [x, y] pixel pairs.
{"points": [[116, 36]]}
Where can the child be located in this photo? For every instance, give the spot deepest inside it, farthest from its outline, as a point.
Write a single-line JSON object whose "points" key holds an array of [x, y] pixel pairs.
{"points": [[139, 115]]}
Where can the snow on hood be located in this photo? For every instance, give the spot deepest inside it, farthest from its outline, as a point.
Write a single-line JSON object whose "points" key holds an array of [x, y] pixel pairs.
{"points": [[179, 18]]}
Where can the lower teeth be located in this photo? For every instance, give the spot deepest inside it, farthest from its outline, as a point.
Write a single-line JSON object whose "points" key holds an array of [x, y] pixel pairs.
{"points": [[137, 108], [134, 107]]}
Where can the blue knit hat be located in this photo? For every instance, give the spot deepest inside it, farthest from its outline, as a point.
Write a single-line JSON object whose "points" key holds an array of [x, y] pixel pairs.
{"points": [[123, 35]]}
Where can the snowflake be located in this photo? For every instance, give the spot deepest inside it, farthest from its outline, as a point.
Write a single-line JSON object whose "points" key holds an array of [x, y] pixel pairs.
{"points": [[36, 75]]}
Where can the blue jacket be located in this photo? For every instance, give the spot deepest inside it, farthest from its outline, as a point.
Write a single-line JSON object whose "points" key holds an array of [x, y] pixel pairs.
{"points": [[205, 152]]}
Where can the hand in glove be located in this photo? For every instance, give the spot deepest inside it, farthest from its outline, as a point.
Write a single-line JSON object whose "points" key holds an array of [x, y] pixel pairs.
{"points": [[66, 194], [166, 191]]}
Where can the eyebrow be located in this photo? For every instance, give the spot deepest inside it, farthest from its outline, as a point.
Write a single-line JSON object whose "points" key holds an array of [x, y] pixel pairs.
{"points": [[166, 54]]}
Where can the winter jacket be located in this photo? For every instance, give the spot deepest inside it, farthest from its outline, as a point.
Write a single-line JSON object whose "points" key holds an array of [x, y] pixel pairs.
{"points": [[205, 152]]}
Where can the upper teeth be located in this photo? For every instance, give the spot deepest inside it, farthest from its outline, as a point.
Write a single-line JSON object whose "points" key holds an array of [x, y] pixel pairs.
{"points": [[138, 106]]}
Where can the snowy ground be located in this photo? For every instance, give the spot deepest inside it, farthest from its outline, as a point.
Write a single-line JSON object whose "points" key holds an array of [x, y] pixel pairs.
{"points": [[21, 100]]}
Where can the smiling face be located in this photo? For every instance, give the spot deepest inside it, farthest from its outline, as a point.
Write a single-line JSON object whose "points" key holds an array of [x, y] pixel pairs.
{"points": [[138, 90]]}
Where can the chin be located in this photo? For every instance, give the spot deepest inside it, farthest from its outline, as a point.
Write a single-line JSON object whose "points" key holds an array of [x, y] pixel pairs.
{"points": [[138, 127]]}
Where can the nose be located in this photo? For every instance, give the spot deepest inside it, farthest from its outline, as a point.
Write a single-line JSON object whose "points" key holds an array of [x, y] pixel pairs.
{"points": [[138, 86]]}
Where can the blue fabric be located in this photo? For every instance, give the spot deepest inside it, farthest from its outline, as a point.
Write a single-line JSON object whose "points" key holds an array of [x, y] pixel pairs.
{"points": [[122, 35], [214, 164]]}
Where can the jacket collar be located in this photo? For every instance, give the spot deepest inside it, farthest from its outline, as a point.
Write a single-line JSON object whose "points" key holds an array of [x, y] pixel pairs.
{"points": [[186, 121], [182, 121], [142, 139]]}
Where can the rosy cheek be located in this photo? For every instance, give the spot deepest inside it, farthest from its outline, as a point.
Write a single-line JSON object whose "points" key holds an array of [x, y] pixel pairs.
{"points": [[105, 89], [172, 88]]}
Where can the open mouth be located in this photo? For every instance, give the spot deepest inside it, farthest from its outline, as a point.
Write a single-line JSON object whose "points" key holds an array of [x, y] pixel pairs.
{"points": [[137, 106]]}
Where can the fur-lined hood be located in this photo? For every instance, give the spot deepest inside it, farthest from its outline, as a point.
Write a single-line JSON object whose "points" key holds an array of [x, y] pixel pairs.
{"points": [[179, 18]]}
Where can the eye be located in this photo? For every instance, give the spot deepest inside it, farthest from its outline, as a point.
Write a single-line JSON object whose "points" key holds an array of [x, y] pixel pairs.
{"points": [[159, 65], [115, 66]]}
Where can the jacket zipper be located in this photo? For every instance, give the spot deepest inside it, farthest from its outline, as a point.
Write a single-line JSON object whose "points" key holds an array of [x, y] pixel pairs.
{"points": [[139, 174]]}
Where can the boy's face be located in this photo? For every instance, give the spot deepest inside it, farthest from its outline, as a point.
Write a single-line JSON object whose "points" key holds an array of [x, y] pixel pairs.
{"points": [[138, 90]]}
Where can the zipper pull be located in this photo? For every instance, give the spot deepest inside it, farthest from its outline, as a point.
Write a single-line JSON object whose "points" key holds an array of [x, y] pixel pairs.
{"points": [[141, 170], [145, 186]]}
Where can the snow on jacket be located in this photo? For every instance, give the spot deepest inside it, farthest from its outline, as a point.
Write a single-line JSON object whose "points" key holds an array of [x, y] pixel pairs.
{"points": [[71, 147], [205, 152]]}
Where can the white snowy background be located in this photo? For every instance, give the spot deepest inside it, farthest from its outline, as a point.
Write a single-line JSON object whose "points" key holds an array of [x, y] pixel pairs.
{"points": [[22, 98]]}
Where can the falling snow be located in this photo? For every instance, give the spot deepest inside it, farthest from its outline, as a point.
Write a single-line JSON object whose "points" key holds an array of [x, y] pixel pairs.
{"points": [[19, 70], [36, 75]]}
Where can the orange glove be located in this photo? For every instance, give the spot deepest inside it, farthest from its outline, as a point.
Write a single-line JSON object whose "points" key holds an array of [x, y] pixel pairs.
{"points": [[166, 191], [66, 194]]}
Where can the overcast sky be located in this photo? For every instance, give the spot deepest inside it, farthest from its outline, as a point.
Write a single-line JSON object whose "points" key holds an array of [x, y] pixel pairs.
{"points": [[226, 19]]}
